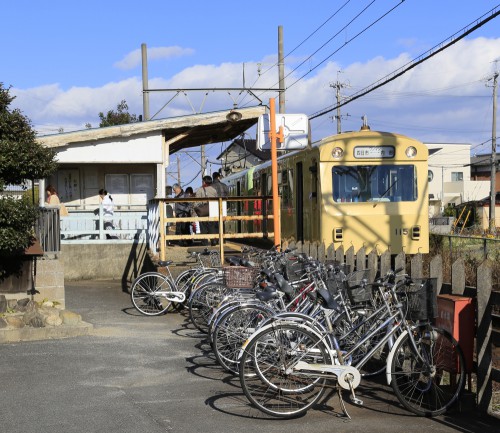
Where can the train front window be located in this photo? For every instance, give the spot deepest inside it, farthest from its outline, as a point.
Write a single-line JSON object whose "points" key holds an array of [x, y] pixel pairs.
{"points": [[366, 183]]}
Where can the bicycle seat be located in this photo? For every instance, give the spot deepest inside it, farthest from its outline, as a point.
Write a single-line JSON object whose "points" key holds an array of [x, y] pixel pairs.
{"points": [[164, 263]]}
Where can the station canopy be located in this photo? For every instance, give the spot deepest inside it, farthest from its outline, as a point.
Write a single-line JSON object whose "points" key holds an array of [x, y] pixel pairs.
{"points": [[179, 132]]}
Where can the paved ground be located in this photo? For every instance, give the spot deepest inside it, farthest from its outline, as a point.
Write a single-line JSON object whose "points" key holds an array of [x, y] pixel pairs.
{"points": [[142, 374]]}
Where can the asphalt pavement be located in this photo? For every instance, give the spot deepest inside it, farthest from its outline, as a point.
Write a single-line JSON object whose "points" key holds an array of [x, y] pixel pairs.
{"points": [[156, 374]]}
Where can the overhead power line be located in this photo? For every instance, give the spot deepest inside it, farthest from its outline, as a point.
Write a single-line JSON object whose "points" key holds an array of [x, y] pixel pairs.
{"points": [[493, 13]]}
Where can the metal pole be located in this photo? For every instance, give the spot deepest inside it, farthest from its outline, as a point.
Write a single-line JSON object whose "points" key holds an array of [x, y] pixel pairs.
{"points": [[203, 161], [274, 171], [339, 128], [493, 158], [281, 71], [145, 85]]}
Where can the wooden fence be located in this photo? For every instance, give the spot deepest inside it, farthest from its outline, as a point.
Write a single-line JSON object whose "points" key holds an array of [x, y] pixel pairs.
{"points": [[486, 301]]}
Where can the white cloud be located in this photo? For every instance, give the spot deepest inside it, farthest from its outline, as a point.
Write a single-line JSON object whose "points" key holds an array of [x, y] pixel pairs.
{"points": [[134, 58], [444, 99]]}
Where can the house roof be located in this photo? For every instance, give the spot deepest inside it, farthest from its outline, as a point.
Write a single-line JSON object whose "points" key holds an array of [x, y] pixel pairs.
{"points": [[482, 162], [250, 146], [180, 132]]}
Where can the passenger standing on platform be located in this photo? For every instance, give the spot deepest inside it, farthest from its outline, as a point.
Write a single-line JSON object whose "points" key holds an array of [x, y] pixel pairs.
{"points": [[193, 227], [221, 188], [206, 190], [53, 200], [222, 191], [182, 210]]}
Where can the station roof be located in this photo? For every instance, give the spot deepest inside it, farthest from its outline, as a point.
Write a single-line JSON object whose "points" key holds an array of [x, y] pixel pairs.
{"points": [[179, 132]]}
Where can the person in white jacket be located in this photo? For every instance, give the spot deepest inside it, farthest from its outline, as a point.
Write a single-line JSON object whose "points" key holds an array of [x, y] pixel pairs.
{"points": [[108, 210]]}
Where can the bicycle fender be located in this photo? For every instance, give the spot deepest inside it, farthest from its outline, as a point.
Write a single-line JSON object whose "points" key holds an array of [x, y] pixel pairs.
{"points": [[391, 355]]}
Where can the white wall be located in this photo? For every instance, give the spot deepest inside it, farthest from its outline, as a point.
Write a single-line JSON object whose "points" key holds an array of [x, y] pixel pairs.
{"points": [[136, 149]]}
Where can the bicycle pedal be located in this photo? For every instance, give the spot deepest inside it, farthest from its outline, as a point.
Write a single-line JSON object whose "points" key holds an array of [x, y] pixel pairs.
{"points": [[356, 401]]}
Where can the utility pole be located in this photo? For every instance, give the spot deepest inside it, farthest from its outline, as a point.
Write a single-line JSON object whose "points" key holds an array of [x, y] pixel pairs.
{"points": [[493, 158], [281, 71], [338, 85], [178, 170], [145, 85]]}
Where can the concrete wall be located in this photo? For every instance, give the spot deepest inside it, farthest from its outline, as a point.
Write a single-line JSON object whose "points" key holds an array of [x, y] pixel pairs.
{"points": [[105, 260]]}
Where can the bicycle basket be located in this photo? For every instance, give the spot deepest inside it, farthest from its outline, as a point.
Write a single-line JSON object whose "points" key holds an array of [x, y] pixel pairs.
{"points": [[346, 269], [294, 268], [358, 293], [421, 298], [240, 277]]}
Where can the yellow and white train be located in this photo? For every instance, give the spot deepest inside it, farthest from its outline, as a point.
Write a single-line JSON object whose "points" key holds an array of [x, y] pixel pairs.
{"points": [[361, 189]]}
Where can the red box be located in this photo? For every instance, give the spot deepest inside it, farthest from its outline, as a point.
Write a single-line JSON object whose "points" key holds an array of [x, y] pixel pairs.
{"points": [[456, 315]]}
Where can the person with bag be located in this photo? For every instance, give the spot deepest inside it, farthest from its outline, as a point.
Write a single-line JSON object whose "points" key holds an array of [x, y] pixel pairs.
{"points": [[53, 200], [202, 208]]}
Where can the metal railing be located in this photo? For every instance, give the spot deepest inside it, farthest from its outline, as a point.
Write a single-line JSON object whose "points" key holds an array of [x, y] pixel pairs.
{"points": [[85, 225], [48, 229]]}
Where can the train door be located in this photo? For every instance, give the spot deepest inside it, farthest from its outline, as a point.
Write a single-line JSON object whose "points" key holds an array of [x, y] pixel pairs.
{"points": [[299, 208]]}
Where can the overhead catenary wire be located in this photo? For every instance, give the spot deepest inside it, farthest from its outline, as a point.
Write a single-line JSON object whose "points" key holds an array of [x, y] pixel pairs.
{"points": [[415, 62]]}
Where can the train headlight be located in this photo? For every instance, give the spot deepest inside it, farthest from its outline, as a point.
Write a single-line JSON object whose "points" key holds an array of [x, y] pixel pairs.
{"points": [[337, 152], [411, 152]]}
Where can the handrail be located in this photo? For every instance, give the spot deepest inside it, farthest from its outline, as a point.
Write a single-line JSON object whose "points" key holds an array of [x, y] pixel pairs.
{"points": [[159, 240]]}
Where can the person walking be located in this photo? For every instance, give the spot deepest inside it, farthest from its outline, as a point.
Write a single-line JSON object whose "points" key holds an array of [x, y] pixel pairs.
{"points": [[108, 209], [206, 190]]}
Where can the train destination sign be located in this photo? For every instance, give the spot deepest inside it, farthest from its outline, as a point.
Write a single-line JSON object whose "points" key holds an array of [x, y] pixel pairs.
{"points": [[374, 152]]}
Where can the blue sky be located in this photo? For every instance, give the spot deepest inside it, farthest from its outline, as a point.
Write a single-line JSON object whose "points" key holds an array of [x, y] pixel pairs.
{"points": [[66, 61]]}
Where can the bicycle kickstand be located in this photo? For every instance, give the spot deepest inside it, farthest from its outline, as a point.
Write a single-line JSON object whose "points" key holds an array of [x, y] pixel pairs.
{"points": [[342, 404]]}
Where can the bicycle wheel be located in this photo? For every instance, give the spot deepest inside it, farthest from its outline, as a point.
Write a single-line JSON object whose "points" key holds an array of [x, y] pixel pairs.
{"points": [[202, 303], [267, 373], [232, 329], [146, 293], [428, 371]]}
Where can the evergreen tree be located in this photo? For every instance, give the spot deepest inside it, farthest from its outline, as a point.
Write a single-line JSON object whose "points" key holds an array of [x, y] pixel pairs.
{"points": [[22, 159]]}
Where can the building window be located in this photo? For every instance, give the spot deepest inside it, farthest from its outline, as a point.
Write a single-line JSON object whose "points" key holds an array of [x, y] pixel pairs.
{"points": [[457, 176], [430, 175]]}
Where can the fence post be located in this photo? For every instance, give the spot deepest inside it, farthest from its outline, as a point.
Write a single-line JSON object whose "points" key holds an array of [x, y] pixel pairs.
{"points": [[483, 338], [458, 277], [372, 264], [339, 255], [400, 261], [361, 259], [385, 263], [321, 252], [436, 271], [349, 257], [330, 252], [416, 270]]}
